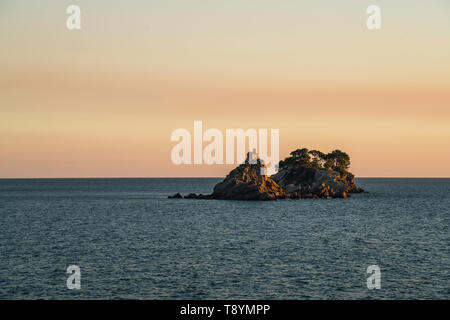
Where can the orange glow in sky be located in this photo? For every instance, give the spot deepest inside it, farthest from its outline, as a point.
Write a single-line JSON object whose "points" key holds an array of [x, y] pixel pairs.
{"points": [[102, 101]]}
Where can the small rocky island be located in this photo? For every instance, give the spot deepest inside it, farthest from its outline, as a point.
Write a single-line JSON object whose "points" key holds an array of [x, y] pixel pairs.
{"points": [[305, 174]]}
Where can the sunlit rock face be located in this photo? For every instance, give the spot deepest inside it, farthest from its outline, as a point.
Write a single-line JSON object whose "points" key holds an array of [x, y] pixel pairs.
{"points": [[248, 182]]}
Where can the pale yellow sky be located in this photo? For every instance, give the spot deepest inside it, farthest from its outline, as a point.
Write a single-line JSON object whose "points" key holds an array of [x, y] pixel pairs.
{"points": [[103, 101]]}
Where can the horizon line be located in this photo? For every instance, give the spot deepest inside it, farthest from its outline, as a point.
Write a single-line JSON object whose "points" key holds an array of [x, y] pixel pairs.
{"points": [[198, 177]]}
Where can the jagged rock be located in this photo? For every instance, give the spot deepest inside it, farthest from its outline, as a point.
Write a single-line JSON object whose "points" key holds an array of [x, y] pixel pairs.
{"points": [[322, 183], [248, 182], [176, 196], [342, 195], [295, 195]]}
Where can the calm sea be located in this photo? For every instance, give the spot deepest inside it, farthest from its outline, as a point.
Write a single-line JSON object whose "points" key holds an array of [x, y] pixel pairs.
{"points": [[131, 242]]}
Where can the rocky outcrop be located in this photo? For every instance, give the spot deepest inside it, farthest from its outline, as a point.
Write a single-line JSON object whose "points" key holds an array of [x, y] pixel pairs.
{"points": [[304, 182], [294, 180], [246, 182]]}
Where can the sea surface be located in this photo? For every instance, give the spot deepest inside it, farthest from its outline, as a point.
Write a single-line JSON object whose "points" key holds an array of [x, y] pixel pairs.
{"points": [[131, 242]]}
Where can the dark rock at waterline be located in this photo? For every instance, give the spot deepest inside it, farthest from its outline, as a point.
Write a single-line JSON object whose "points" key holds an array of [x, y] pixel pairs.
{"points": [[191, 196], [176, 196], [198, 196]]}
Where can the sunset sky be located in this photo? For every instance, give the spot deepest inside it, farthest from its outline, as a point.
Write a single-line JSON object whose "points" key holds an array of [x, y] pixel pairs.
{"points": [[103, 101]]}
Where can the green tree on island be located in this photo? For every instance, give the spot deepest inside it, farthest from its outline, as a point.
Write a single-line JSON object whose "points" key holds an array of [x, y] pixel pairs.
{"points": [[318, 160], [301, 157], [336, 160]]}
